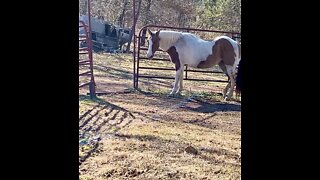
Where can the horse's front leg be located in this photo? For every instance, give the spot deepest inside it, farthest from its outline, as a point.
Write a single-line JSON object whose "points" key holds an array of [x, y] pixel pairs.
{"points": [[176, 81], [180, 82]]}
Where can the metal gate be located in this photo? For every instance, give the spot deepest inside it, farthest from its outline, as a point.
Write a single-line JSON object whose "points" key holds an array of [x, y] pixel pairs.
{"points": [[138, 56], [85, 55]]}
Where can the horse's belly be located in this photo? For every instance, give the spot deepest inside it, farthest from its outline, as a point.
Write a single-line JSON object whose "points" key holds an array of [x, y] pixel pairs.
{"points": [[192, 61]]}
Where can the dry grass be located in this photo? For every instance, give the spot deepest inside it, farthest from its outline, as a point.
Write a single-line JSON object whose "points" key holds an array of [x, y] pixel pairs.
{"points": [[144, 134]]}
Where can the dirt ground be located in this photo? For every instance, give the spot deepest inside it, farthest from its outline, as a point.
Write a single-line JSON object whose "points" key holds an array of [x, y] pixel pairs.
{"points": [[143, 134]]}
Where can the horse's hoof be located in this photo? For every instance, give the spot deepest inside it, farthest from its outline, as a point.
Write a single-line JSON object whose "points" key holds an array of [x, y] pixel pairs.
{"points": [[178, 93], [170, 95], [227, 99]]}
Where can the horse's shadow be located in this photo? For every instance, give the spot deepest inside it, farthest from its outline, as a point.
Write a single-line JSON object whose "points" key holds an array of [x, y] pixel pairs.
{"points": [[209, 107], [196, 104]]}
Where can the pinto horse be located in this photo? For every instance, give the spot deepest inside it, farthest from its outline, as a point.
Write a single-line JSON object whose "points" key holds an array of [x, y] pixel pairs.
{"points": [[188, 49]]}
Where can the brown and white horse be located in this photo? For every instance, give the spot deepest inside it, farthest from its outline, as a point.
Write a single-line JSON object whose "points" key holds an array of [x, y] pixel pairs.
{"points": [[188, 49]]}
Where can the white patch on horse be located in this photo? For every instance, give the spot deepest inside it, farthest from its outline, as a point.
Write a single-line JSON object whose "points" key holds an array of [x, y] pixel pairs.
{"points": [[195, 51]]}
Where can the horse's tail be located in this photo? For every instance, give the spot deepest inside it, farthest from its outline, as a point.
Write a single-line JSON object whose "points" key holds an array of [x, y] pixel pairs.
{"points": [[239, 78]]}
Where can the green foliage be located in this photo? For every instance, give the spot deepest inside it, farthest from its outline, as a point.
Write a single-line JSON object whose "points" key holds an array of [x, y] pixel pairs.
{"points": [[206, 14], [219, 14]]}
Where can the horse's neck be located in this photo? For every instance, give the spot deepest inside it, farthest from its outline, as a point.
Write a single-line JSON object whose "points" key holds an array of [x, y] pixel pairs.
{"points": [[168, 39]]}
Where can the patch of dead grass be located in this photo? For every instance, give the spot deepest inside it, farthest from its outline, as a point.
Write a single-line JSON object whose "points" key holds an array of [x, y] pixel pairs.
{"points": [[153, 145]]}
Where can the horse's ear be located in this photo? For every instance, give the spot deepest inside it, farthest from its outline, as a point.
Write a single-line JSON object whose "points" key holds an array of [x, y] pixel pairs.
{"points": [[157, 33], [150, 32]]}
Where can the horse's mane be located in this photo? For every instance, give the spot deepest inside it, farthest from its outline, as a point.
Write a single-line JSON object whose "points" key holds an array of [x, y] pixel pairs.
{"points": [[169, 37]]}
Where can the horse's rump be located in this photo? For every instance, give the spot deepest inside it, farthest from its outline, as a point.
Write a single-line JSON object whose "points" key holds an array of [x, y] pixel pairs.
{"points": [[221, 50]]}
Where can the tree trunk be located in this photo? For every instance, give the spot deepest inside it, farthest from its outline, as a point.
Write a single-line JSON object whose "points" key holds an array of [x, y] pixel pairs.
{"points": [[84, 8], [182, 20], [133, 26], [146, 21], [121, 15]]}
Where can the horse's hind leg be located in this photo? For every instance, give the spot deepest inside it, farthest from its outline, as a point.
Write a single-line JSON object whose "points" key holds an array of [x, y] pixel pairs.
{"points": [[224, 69], [231, 75], [225, 90]]}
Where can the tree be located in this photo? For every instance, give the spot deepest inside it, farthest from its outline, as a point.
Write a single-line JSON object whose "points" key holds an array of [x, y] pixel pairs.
{"points": [[219, 14], [133, 25], [205, 14], [121, 15]]}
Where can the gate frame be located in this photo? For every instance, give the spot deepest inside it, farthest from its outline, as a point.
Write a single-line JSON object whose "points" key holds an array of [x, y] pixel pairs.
{"points": [[88, 40], [136, 55]]}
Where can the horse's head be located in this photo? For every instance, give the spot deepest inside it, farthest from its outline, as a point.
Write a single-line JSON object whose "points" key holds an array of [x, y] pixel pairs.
{"points": [[154, 42]]}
